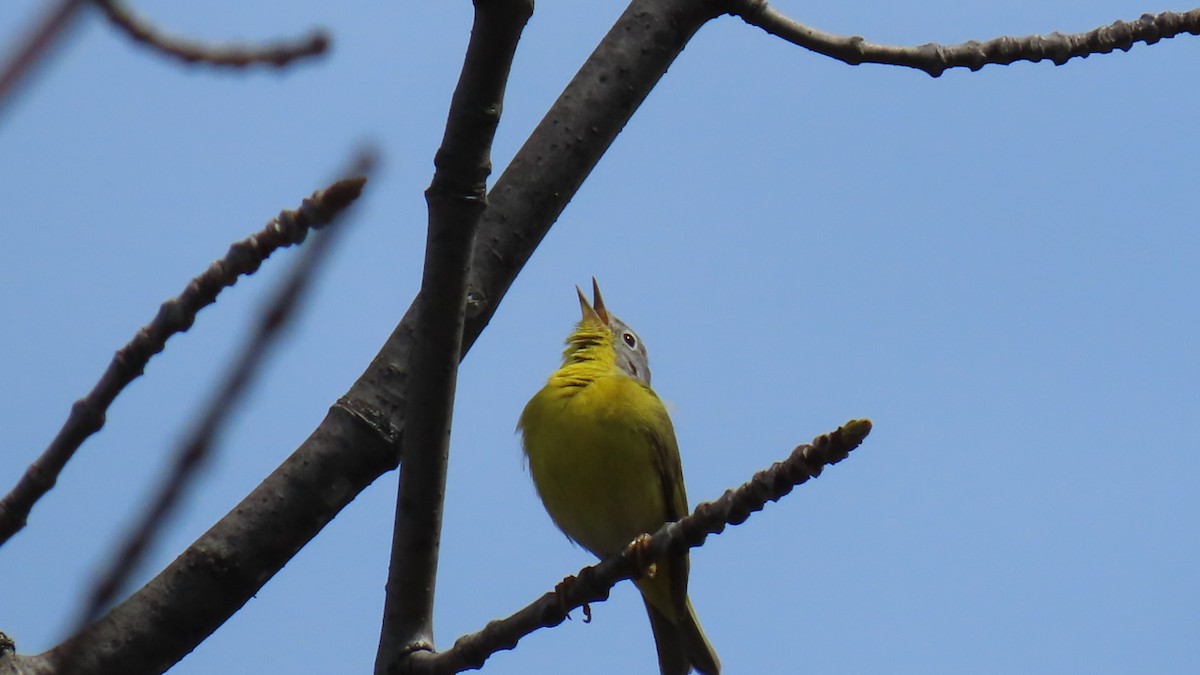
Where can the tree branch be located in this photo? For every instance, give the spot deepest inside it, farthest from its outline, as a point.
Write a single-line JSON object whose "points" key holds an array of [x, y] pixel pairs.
{"points": [[936, 59], [174, 316], [593, 583], [279, 54], [37, 44], [197, 447], [41, 38], [456, 198]]}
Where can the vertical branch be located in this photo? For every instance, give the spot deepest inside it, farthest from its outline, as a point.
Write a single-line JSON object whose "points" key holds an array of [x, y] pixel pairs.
{"points": [[456, 199]]}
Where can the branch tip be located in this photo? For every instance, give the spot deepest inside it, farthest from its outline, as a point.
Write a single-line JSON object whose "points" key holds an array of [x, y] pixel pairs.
{"points": [[934, 59], [277, 55]]}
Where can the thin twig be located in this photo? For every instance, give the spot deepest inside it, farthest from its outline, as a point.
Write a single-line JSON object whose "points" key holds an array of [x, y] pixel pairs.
{"points": [[197, 447], [279, 54], [174, 316], [593, 583], [36, 45], [936, 59]]}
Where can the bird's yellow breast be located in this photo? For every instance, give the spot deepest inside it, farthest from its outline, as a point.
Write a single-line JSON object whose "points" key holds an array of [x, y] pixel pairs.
{"points": [[595, 439]]}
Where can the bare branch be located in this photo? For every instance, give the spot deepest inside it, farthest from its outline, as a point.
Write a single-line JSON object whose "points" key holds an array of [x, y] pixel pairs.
{"points": [[935, 59], [174, 316], [278, 55], [457, 198], [192, 454], [593, 583], [197, 447], [37, 44]]}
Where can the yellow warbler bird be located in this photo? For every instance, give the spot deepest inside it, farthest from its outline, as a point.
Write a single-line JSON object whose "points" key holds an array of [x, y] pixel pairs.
{"points": [[605, 462]]}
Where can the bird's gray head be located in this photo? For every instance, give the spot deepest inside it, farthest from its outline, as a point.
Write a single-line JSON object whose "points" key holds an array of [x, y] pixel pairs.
{"points": [[630, 350]]}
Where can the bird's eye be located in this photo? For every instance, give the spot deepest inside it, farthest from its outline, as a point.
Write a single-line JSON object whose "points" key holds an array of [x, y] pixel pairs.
{"points": [[630, 340]]}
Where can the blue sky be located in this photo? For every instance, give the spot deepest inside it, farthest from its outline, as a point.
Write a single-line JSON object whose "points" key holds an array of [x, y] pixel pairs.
{"points": [[999, 268]]}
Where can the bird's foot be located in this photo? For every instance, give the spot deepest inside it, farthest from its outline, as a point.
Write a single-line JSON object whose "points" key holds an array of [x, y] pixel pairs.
{"points": [[560, 594], [639, 549]]}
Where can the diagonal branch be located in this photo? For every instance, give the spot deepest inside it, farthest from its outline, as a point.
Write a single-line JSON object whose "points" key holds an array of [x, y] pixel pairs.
{"points": [[197, 447], [456, 198], [174, 316], [936, 59], [278, 54], [37, 43], [593, 583]]}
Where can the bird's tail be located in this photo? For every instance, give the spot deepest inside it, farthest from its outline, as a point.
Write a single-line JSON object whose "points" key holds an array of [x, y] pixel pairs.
{"points": [[682, 644]]}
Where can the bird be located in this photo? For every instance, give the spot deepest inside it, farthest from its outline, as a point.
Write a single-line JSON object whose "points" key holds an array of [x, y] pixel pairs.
{"points": [[603, 456]]}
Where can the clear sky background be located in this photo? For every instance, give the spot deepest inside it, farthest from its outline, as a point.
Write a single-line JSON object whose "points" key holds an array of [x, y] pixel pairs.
{"points": [[999, 268]]}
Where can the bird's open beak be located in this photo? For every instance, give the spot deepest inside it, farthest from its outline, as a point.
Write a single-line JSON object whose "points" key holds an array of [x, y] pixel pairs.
{"points": [[598, 302], [586, 309]]}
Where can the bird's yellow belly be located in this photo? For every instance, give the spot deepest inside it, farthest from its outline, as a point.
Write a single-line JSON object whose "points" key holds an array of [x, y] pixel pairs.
{"points": [[595, 468]]}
